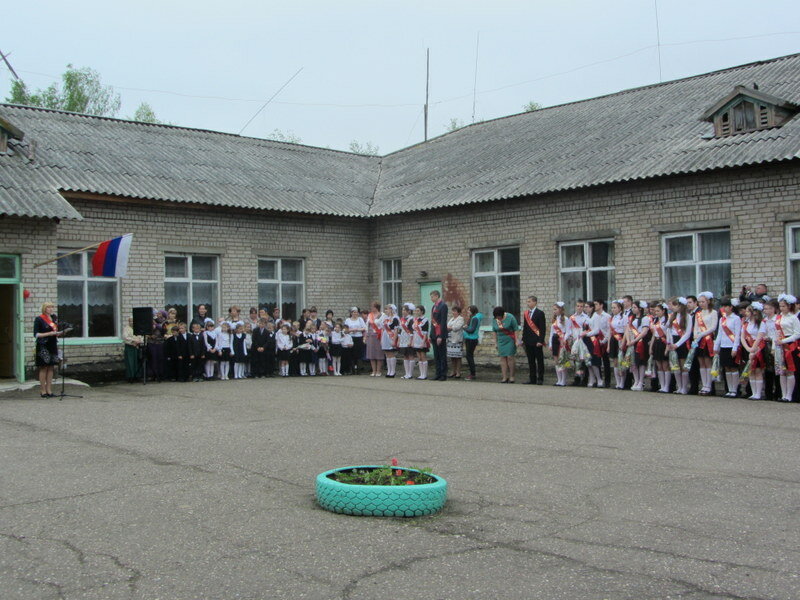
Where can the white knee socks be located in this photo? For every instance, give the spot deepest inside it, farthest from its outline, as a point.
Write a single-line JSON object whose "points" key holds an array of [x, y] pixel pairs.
{"points": [[210, 364], [337, 365], [391, 365], [323, 365], [408, 367], [423, 370], [787, 386]]}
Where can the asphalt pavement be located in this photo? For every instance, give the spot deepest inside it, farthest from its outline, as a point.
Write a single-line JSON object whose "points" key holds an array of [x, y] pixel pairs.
{"points": [[206, 490]]}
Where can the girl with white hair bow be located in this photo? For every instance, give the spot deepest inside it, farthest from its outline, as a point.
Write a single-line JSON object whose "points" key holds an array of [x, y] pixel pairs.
{"points": [[705, 326], [389, 339], [787, 333]]}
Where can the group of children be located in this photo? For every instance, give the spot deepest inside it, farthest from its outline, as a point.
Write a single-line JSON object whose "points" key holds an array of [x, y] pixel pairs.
{"points": [[751, 342], [264, 345]]}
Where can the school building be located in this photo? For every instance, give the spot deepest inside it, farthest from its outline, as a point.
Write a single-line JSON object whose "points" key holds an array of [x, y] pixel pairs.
{"points": [[674, 188]]}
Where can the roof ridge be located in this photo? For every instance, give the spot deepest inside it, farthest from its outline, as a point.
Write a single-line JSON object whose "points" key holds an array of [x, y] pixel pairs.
{"points": [[171, 126], [609, 95]]}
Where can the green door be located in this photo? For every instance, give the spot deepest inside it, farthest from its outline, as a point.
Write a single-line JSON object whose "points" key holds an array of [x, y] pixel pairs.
{"points": [[12, 349], [425, 290]]}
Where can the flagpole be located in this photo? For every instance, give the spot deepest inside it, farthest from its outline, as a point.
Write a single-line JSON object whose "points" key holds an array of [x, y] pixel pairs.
{"points": [[67, 254]]}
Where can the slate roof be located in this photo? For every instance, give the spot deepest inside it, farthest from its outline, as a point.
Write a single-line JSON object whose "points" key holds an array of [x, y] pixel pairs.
{"points": [[635, 134], [80, 153]]}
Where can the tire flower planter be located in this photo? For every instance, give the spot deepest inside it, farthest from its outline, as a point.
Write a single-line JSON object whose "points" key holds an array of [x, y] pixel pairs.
{"points": [[380, 500]]}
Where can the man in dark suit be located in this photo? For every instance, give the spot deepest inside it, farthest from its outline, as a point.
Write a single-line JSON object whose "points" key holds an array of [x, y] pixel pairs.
{"points": [[533, 331], [439, 335]]}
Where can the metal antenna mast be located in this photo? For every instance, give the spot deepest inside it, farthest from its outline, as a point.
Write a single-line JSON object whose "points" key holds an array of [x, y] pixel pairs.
{"points": [[427, 87], [8, 64], [658, 41], [475, 82]]}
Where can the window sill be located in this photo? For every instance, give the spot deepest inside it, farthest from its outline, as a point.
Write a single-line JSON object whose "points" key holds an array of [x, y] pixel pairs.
{"points": [[98, 341]]}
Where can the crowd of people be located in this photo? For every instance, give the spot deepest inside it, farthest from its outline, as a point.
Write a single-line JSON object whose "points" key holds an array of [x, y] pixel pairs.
{"points": [[682, 345]]}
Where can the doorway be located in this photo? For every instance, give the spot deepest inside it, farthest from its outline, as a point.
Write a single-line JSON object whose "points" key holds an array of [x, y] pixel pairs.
{"points": [[12, 354]]}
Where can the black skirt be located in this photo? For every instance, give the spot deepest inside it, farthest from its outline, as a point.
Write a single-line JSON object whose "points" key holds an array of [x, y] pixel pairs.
{"points": [[727, 359], [47, 351], [682, 350], [660, 350]]}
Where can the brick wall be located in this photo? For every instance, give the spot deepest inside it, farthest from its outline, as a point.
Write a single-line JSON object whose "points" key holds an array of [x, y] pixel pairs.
{"points": [[342, 256], [754, 203]]}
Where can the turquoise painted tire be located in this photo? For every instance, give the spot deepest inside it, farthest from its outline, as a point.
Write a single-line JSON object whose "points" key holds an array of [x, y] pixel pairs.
{"points": [[380, 500]]}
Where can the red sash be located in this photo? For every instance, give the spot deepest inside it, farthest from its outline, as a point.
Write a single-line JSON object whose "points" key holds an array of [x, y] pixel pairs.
{"points": [[677, 327], [640, 344], [371, 320], [418, 328], [705, 341], [724, 325], [559, 331], [387, 325], [531, 324], [508, 332], [46, 318], [659, 330], [405, 326], [437, 328], [788, 349], [574, 321], [750, 339]]}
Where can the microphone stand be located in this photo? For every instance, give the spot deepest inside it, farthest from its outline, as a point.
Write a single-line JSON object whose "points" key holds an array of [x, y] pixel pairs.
{"points": [[62, 368]]}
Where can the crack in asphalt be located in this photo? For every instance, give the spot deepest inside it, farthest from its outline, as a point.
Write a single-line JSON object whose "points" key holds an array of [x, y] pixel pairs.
{"points": [[156, 460]]}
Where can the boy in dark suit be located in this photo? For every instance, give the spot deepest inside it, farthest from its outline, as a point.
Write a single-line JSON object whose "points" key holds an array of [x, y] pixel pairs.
{"points": [[182, 353], [533, 332], [438, 335], [258, 358], [197, 352], [270, 351]]}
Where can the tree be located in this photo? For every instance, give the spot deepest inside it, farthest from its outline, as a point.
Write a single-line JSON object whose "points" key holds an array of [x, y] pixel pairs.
{"points": [[367, 149], [145, 114], [454, 124], [531, 106], [279, 136], [81, 91]]}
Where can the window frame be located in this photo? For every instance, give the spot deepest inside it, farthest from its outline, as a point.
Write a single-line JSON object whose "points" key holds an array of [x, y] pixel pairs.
{"points": [[496, 273], [695, 261], [279, 281], [85, 277], [396, 269], [792, 286], [190, 280], [586, 268]]}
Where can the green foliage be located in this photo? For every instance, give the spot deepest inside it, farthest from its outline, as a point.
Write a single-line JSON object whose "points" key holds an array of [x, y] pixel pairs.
{"points": [[367, 149], [385, 475], [281, 136], [454, 124], [81, 91], [532, 106], [145, 114]]}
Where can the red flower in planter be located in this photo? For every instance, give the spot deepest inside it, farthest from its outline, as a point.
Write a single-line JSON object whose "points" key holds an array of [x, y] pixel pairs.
{"points": [[398, 472], [409, 482]]}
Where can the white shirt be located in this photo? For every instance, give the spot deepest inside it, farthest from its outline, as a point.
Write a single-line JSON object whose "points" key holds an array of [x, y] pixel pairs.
{"points": [[565, 329], [600, 323], [283, 341], [336, 338], [790, 326], [710, 318], [356, 326], [576, 324], [347, 340], [687, 331], [734, 323]]}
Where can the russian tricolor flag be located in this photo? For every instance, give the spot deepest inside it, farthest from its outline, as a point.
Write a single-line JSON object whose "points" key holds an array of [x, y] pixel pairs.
{"points": [[111, 258]]}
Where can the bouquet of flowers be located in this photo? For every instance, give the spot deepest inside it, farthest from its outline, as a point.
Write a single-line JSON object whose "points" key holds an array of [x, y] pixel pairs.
{"points": [[563, 359], [747, 369], [716, 371], [674, 365], [625, 359], [687, 364], [778, 360], [580, 354], [650, 371]]}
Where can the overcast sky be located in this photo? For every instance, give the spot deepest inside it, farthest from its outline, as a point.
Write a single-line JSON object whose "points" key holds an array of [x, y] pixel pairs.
{"points": [[212, 65]]}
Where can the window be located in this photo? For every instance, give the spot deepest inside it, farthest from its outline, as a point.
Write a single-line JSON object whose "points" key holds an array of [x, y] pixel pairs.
{"points": [[191, 280], [391, 282], [587, 271], [280, 283], [89, 304], [495, 281], [696, 262], [793, 257]]}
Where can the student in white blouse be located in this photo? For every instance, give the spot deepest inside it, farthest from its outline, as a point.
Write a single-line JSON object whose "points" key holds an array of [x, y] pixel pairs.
{"points": [[727, 345], [787, 330]]}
